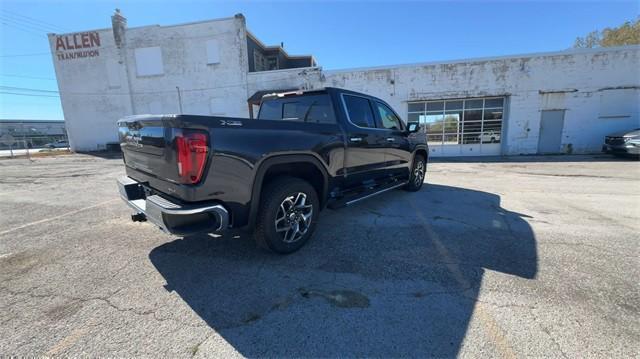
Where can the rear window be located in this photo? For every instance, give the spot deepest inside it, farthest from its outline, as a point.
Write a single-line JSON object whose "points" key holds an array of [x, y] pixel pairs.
{"points": [[306, 108]]}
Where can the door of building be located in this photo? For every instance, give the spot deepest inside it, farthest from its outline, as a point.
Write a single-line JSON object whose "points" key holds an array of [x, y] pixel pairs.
{"points": [[550, 138]]}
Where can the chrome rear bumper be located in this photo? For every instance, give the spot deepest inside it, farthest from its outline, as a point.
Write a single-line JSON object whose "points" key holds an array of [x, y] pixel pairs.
{"points": [[173, 217]]}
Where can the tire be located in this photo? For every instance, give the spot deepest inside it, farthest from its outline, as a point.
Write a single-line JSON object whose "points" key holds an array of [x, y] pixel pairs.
{"points": [[416, 179], [287, 202]]}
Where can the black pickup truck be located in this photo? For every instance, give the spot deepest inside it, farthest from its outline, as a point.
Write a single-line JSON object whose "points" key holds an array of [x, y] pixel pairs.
{"points": [[307, 150]]}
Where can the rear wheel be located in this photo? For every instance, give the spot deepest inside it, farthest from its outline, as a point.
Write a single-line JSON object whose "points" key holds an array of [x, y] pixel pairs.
{"points": [[418, 172], [287, 215]]}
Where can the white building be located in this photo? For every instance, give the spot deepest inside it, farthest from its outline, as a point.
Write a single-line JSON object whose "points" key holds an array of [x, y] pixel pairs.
{"points": [[562, 102]]}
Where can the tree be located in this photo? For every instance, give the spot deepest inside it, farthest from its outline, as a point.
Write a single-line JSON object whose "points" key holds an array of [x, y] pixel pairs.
{"points": [[626, 34]]}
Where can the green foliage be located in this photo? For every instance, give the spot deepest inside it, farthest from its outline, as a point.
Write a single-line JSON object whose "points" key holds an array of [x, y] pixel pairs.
{"points": [[625, 34], [451, 124]]}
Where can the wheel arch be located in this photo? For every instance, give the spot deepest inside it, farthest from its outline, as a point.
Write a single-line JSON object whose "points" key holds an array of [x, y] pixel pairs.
{"points": [[303, 166], [420, 151]]}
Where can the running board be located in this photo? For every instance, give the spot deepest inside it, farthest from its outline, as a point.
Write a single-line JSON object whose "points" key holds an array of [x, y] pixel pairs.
{"points": [[368, 194]]}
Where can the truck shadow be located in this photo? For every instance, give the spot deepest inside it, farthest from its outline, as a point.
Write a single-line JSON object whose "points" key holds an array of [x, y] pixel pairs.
{"points": [[397, 275], [601, 157]]}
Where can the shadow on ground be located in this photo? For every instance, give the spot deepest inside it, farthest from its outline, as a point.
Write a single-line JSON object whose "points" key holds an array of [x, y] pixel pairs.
{"points": [[535, 158], [397, 275], [107, 155]]}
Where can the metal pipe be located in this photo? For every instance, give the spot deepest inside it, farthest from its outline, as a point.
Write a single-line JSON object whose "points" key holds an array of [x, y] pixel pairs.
{"points": [[179, 99]]}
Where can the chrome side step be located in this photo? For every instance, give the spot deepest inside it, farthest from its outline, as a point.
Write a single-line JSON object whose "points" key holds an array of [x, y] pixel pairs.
{"points": [[354, 199], [375, 193]]}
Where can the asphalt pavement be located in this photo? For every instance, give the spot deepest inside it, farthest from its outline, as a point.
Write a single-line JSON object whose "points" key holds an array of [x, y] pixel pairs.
{"points": [[524, 256]]}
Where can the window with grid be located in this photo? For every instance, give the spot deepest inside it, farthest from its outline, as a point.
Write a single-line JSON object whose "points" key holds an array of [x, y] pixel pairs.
{"points": [[459, 121]]}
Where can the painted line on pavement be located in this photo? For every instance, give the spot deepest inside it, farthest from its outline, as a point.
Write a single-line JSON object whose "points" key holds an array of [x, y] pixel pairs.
{"points": [[71, 339], [493, 328], [57, 217]]}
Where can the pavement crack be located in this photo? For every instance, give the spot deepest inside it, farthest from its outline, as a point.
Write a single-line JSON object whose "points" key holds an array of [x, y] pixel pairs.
{"points": [[104, 299], [548, 333], [196, 348]]}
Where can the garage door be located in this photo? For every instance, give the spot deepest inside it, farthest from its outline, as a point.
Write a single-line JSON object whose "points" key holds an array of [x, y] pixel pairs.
{"points": [[460, 127]]}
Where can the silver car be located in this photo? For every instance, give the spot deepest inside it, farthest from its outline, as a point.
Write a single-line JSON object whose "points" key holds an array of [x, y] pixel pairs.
{"points": [[623, 143]]}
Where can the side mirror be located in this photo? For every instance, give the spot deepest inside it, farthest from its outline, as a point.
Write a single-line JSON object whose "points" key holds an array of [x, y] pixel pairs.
{"points": [[413, 127]]}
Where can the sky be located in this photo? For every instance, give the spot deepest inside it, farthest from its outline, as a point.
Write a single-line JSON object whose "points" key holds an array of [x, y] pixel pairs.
{"points": [[340, 34]]}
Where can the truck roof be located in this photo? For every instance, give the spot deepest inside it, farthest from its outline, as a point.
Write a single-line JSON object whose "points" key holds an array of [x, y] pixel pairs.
{"points": [[296, 92], [283, 93]]}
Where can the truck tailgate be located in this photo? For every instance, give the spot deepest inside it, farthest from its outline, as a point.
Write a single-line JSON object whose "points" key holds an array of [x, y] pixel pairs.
{"points": [[146, 145]]}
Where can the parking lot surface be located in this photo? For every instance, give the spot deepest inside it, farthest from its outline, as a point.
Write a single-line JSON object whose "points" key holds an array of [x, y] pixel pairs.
{"points": [[529, 256]]}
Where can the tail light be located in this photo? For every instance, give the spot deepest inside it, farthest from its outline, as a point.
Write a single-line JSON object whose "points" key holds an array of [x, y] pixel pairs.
{"points": [[191, 148]]}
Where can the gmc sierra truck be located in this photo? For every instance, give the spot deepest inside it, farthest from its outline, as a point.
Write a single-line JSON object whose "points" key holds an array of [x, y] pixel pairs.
{"points": [[305, 151]]}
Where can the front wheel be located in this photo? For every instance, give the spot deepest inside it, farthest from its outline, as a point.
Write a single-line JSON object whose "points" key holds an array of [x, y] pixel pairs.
{"points": [[287, 215], [418, 172]]}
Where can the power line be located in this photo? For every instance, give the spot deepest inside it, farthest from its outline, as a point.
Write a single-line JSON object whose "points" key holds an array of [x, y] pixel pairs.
{"points": [[136, 93], [25, 94], [34, 20], [26, 89], [26, 24], [27, 30], [22, 55], [28, 77]]}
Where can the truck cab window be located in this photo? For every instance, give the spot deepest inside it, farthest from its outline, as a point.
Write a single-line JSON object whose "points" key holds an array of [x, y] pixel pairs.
{"points": [[308, 108], [359, 111], [388, 119], [290, 111], [270, 110]]}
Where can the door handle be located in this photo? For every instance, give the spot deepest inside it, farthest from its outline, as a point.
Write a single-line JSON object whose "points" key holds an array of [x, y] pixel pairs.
{"points": [[355, 139], [391, 139]]}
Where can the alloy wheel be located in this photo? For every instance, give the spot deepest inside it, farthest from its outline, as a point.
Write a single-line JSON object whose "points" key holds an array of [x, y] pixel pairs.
{"points": [[294, 217], [418, 174]]}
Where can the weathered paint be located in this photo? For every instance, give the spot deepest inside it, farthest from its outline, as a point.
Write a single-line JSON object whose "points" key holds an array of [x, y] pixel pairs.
{"points": [[571, 81], [96, 91]]}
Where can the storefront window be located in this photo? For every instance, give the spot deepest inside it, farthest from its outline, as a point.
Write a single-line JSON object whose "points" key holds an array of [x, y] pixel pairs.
{"points": [[460, 121]]}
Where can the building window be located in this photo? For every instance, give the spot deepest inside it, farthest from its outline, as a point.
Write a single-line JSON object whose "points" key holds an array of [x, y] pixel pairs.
{"points": [[618, 103], [458, 122], [264, 63], [149, 61], [259, 61], [272, 63], [213, 52]]}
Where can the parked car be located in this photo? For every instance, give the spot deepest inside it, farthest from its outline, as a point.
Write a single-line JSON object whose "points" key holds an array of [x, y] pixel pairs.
{"points": [[623, 143], [307, 150], [58, 144], [633, 147], [489, 137]]}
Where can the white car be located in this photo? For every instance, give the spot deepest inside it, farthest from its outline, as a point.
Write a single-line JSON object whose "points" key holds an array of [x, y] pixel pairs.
{"points": [[58, 144], [489, 136]]}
